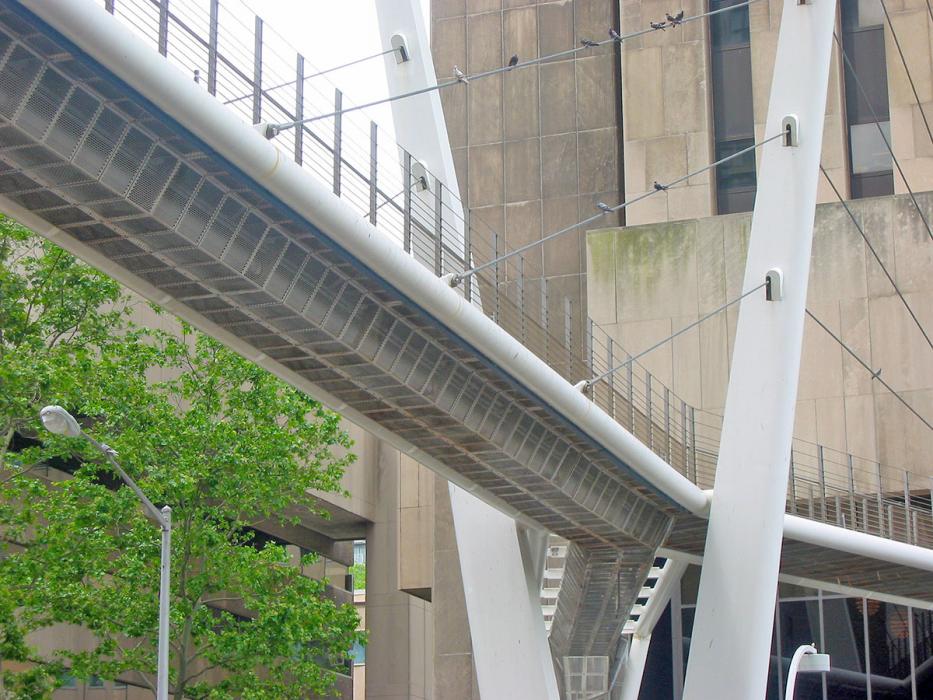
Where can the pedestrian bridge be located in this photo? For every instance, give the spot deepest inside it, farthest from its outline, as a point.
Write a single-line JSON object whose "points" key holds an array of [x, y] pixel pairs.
{"points": [[320, 256]]}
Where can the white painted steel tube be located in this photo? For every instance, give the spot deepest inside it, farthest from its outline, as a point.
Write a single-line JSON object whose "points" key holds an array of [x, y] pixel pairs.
{"points": [[732, 629], [102, 37], [165, 592], [794, 666], [858, 543]]}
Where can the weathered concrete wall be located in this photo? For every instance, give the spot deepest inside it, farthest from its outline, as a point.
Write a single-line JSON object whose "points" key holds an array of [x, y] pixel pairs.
{"points": [[667, 126], [645, 282], [534, 148]]}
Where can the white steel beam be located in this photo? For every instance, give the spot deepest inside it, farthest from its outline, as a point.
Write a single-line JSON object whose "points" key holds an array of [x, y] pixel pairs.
{"points": [[500, 586], [825, 586], [730, 649], [658, 597]]}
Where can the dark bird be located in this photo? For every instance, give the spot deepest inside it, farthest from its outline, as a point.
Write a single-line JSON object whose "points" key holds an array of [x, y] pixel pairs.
{"points": [[602, 206], [876, 375], [589, 42], [659, 187], [658, 25], [676, 19], [613, 34], [458, 74], [513, 61]]}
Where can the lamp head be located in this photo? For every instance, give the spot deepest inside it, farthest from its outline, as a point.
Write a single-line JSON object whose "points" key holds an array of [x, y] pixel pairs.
{"points": [[57, 420]]}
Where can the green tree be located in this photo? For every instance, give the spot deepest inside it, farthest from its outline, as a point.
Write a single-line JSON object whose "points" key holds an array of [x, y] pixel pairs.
{"points": [[222, 441]]}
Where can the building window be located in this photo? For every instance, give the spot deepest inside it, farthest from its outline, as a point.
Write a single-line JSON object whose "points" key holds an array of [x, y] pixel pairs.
{"points": [[733, 118], [866, 84]]}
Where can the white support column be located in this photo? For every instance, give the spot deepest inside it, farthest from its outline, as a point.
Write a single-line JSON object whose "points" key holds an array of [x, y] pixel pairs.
{"points": [[510, 649], [731, 639], [634, 667], [509, 643]]}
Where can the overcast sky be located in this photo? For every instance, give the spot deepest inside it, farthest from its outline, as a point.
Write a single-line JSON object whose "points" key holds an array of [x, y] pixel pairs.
{"points": [[332, 32]]}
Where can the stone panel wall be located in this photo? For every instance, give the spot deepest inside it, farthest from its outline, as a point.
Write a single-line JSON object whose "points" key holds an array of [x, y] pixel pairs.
{"points": [[645, 282], [537, 147]]}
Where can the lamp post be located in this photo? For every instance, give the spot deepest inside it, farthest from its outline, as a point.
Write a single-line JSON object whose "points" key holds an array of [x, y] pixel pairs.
{"points": [[57, 420], [805, 660]]}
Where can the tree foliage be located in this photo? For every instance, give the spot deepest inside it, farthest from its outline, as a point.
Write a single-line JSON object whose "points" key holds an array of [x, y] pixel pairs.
{"points": [[223, 442]]}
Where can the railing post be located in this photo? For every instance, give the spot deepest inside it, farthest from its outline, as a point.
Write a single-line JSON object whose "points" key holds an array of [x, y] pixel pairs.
{"points": [[212, 47], [589, 347], [568, 334], [257, 70], [693, 444], [852, 510], [822, 477], [648, 410], [810, 501], [907, 518], [611, 379], [630, 392], [467, 253], [547, 331], [373, 169], [683, 438], [438, 228], [406, 211], [667, 422], [880, 501], [521, 295], [163, 27], [495, 277], [299, 108], [793, 485], [338, 139]]}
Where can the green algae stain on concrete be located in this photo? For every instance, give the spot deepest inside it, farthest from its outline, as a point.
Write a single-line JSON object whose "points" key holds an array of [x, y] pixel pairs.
{"points": [[601, 244], [651, 268]]}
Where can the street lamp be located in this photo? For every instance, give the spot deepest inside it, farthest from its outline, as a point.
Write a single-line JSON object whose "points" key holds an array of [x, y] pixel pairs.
{"points": [[57, 420], [805, 660]]}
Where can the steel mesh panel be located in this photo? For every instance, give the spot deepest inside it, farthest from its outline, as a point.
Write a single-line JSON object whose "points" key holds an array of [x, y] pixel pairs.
{"points": [[19, 73], [265, 256], [43, 104], [94, 153], [155, 175], [72, 123]]}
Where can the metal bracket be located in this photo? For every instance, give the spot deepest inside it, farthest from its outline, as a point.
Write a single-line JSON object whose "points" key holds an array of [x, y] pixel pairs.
{"points": [[268, 131], [774, 284], [790, 125], [400, 45], [422, 181]]}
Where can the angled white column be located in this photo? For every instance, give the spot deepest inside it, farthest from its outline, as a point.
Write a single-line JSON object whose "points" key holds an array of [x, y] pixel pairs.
{"points": [[731, 641], [633, 668], [510, 649]]}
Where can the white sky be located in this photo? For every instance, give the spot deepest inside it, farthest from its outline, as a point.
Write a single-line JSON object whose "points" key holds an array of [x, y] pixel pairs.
{"points": [[332, 32]]}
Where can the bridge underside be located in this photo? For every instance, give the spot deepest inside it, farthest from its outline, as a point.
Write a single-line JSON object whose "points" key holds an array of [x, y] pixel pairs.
{"points": [[94, 159]]}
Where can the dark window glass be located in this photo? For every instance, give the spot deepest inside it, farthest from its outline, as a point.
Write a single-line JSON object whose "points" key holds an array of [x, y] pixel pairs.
{"points": [[735, 179], [733, 118], [866, 84]]}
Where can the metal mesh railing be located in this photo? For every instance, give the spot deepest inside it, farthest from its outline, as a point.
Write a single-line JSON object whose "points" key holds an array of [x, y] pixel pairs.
{"points": [[240, 60]]}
